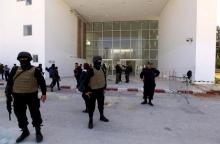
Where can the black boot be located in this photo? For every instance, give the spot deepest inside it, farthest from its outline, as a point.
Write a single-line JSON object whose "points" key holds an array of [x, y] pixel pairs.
{"points": [[144, 102], [39, 136], [103, 118], [90, 124], [25, 133], [150, 103]]}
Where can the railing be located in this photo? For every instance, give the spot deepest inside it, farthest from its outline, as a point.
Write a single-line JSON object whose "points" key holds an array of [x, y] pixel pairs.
{"points": [[179, 86]]}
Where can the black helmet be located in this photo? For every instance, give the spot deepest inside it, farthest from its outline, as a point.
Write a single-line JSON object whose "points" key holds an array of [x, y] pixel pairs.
{"points": [[97, 58], [24, 56]]}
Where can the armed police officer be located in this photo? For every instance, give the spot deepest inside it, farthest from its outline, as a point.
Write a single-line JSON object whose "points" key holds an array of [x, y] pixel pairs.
{"points": [[22, 88], [94, 89], [148, 75]]}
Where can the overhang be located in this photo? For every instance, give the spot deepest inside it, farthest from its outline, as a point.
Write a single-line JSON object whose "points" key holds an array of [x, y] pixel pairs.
{"points": [[117, 10]]}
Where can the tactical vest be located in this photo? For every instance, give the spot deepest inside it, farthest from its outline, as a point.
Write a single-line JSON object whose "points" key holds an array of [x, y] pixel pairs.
{"points": [[25, 82], [97, 81]]}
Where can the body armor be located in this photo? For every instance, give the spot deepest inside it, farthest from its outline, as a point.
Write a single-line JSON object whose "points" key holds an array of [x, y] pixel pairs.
{"points": [[98, 80], [26, 82]]}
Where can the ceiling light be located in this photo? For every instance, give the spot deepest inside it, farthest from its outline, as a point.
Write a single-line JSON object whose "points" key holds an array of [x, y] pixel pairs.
{"points": [[88, 43], [122, 50]]}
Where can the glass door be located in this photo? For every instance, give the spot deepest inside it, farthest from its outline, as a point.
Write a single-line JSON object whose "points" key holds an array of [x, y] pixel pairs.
{"points": [[109, 65], [136, 65]]}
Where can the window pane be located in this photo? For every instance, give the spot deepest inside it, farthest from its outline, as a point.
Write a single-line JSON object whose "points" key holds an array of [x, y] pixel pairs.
{"points": [[116, 44], [96, 52], [153, 44], [116, 35], [89, 27], [28, 2], [107, 35], [145, 54], [107, 44], [135, 34], [145, 34], [27, 30], [90, 45], [116, 25], [35, 58], [153, 34], [145, 25], [125, 44], [97, 36], [89, 36], [97, 45], [153, 54], [125, 34], [154, 25], [107, 53], [107, 26], [89, 53], [136, 25], [97, 26], [135, 44], [126, 54], [125, 25], [145, 61], [116, 54], [145, 44], [136, 54]]}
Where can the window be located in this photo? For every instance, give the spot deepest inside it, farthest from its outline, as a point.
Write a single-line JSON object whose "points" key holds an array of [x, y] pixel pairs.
{"points": [[35, 58], [27, 30], [28, 2], [124, 40]]}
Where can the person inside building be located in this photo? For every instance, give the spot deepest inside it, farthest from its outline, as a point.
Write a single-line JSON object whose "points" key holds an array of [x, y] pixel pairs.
{"points": [[148, 75], [94, 89], [128, 70], [118, 71], [22, 88]]}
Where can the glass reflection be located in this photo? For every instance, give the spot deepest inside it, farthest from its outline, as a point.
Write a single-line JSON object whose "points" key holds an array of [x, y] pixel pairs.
{"points": [[130, 40]]}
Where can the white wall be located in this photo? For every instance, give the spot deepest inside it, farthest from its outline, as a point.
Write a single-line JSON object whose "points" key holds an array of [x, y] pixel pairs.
{"points": [[206, 40], [218, 12], [188, 19], [14, 15], [60, 36]]}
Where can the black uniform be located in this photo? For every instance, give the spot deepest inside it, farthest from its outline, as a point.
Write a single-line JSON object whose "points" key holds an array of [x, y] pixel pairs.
{"points": [[128, 70], [2, 70], [77, 73], [118, 71], [96, 93], [84, 80], [148, 75], [23, 99], [55, 79]]}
